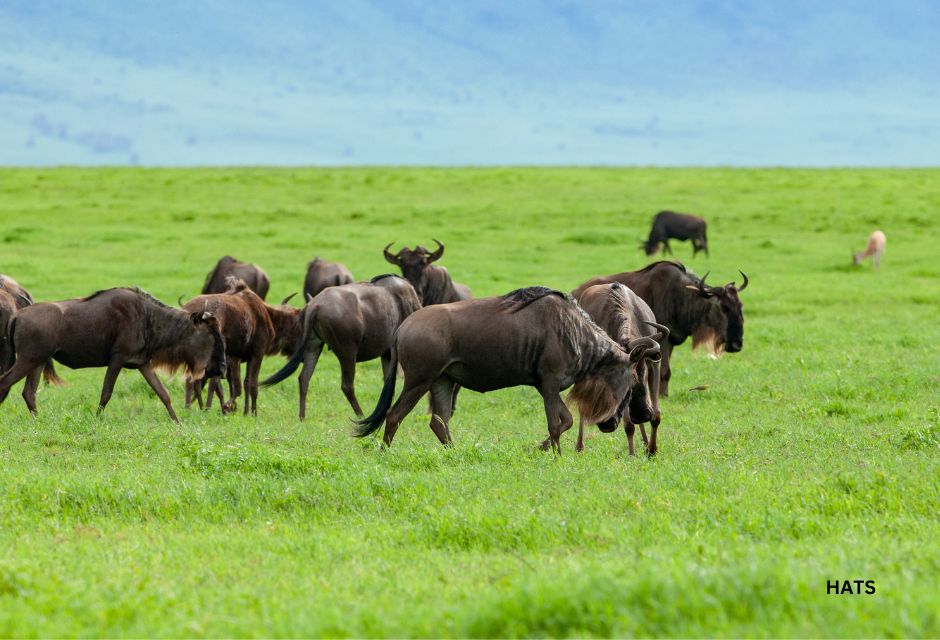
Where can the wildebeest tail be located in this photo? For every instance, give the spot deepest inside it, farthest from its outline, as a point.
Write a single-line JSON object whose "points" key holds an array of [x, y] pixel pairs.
{"points": [[8, 356], [373, 421], [50, 376], [291, 366]]}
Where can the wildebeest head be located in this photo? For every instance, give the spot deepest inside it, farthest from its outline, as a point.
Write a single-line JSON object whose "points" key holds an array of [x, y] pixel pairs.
{"points": [[601, 397], [206, 347], [414, 263], [725, 328]]}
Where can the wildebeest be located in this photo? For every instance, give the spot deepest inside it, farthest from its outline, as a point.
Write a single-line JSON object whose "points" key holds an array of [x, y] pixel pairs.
{"points": [[322, 274], [20, 295], [432, 283], [534, 336], [875, 249], [624, 316], [357, 321], [119, 328], [248, 331], [681, 226], [228, 267], [713, 316]]}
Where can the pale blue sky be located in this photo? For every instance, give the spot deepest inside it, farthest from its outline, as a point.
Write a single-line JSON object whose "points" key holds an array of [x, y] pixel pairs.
{"points": [[538, 82]]}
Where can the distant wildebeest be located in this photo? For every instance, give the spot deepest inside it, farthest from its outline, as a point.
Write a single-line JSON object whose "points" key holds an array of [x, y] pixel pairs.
{"points": [[681, 226], [626, 317], [875, 249], [713, 316], [322, 274], [432, 283], [248, 331], [118, 328], [357, 321], [534, 336], [228, 267]]}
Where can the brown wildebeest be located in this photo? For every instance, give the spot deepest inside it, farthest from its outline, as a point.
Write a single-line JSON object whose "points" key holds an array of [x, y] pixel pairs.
{"points": [[358, 322], [228, 267], [875, 248], [248, 331], [322, 274], [118, 328], [713, 316], [625, 317], [534, 336], [681, 226], [20, 295], [432, 283]]}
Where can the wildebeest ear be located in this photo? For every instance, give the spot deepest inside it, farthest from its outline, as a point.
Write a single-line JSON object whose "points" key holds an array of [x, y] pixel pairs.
{"points": [[705, 293], [309, 297]]}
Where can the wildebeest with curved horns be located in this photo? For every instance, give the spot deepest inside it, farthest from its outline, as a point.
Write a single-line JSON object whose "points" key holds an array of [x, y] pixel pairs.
{"points": [[432, 283], [681, 226], [358, 322], [322, 274], [624, 316], [713, 316], [248, 332], [228, 267], [534, 336], [119, 328]]}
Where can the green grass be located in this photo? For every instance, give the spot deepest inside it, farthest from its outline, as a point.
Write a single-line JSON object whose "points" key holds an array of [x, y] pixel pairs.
{"points": [[812, 456]]}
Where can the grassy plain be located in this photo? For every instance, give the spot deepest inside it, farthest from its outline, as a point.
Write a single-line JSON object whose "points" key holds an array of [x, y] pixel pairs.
{"points": [[812, 456]]}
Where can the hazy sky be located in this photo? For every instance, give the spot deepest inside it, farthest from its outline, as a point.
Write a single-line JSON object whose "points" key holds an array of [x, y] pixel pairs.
{"points": [[686, 82]]}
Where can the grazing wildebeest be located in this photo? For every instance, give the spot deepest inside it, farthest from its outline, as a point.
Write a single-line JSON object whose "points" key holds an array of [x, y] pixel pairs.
{"points": [[624, 316], [357, 321], [248, 331], [118, 328], [875, 249], [432, 283], [534, 336], [20, 295], [681, 226], [322, 274], [713, 316], [228, 267]]}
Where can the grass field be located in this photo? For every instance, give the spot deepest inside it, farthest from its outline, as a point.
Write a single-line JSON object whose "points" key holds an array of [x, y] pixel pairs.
{"points": [[812, 456]]}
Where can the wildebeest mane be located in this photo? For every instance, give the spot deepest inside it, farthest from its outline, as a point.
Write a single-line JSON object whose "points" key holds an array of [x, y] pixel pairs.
{"points": [[520, 298], [136, 290], [385, 275]]}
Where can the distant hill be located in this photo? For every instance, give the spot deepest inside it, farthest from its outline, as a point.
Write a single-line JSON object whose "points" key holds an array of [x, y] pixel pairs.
{"points": [[476, 82]]}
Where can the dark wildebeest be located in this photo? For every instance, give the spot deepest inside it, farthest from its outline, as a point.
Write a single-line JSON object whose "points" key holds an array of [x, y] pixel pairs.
{"points": [[432, 283], [322, 274], [358, 322], [249, 333], [534, 336], [14, 297], [626, 317], [118, 328], [228, 267], [681, 226], [713, 316]]}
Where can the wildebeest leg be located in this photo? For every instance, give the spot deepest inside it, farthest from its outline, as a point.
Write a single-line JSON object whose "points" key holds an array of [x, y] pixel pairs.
{"points": [[252, 373], [110, 377], [347, 362], [311, 355], [197, 391], [579, 447], [665, 372], [557, 414], [409, 397], [653, 377], [386, 361], [666, 248], [234, 378], [442, 399], [157, 386], [29, 389], [14, 374], [630, 429]]}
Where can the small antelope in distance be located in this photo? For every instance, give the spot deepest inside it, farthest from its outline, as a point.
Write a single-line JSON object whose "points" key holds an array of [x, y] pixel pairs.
{"points": [[875, 249]]}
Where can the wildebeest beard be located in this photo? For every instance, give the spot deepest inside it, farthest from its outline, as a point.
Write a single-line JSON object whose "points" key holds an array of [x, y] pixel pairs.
{"points": [[709, 339]]}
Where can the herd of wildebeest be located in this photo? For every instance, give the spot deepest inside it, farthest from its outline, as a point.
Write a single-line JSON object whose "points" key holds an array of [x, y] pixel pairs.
{"points": [[610, 340]]}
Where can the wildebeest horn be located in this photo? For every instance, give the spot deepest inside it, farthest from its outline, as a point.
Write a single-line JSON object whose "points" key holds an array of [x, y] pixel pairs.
{"points": [[638, 348], [179, 301], [287, 299], [663, 331], [744, 284], [703, 290], [309, 297], [438, 252], [390, 257]]}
